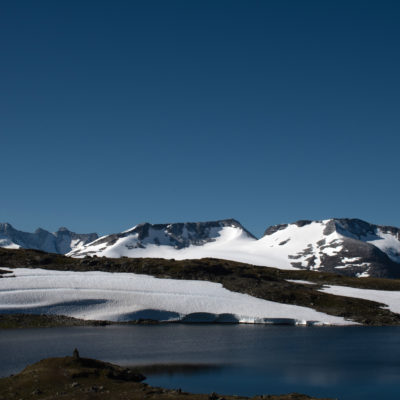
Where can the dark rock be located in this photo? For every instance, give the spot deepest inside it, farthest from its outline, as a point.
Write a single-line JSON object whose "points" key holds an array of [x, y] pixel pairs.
{"points": [[75, 354], [126, 375], [275, 228], [303, 222]]}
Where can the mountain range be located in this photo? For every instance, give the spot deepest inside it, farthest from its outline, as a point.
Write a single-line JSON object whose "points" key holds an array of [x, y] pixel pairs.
{"points": [[349, 247], [63, 241]]}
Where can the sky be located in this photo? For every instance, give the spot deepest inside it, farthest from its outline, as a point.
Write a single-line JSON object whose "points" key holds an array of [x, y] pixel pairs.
{"points": [[114, 113]]}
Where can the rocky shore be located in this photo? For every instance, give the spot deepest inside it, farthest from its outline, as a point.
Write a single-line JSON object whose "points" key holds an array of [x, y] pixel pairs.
{"points": [[71, 378], [25, 321]]}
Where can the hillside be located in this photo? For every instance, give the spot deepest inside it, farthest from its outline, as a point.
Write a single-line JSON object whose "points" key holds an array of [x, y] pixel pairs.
{"points": [[308, 289]]}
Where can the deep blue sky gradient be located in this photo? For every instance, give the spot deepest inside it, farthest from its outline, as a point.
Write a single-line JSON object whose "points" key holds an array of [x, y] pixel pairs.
{"points": [[119, 112]]}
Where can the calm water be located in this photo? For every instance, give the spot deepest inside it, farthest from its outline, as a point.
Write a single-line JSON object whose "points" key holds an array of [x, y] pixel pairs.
{"points": [[345, 363]]}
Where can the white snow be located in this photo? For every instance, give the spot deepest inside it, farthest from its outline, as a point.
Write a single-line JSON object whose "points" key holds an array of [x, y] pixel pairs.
{"points": [[293, 244], [350, 259], [364, 274], [231, 243], [126, 296], [335, 247], [303, 243], [301, 281], [8, 244], [389, 244], [390, 298]]}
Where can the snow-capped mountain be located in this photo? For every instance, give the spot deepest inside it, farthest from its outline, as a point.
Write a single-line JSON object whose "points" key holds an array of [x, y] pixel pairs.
{"points": [[345, 246], [62, 241], [159, 240]]}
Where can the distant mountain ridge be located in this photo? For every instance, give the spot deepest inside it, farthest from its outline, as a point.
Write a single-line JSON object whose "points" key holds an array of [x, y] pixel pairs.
{"points": [[175, 235], [341, 245], [62, 241]]}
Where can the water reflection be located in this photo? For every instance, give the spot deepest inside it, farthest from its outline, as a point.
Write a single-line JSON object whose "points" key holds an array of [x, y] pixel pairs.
{"points": [[346, 363]]}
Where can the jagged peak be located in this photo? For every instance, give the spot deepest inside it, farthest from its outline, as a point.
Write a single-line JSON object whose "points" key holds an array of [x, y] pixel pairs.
{"points": [[41, 231], [63, 229], [41, 239], [145, 227], [5, 225], [355, 226]]}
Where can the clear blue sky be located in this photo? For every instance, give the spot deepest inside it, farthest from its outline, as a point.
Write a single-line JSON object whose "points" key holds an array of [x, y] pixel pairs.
{"points": [[119, 112]]}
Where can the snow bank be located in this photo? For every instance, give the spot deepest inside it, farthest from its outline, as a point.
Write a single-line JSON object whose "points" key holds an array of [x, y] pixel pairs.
{"points": [[127, 296], [389, 298], [301, 281]]}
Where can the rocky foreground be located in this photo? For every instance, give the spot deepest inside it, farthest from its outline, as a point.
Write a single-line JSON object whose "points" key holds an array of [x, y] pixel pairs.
{"points": [[83, 378]]}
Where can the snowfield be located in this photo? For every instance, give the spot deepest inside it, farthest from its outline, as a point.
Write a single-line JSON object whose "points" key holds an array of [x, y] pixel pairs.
{"points": [[127, 296], [390, 298], [231, 243]]}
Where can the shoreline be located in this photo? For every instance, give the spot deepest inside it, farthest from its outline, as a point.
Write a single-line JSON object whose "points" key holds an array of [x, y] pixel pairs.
{"points": [[84, 378], [30, 321]]}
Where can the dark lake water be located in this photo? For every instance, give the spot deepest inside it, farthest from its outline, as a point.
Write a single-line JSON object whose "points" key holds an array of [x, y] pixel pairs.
{"points": [[348, 363]]}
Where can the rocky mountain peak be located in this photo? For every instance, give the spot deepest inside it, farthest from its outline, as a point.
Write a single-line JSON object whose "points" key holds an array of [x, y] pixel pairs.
{"points": [[178, 235], [62, 241], [347, 246], [63, 229], [4, 226]]}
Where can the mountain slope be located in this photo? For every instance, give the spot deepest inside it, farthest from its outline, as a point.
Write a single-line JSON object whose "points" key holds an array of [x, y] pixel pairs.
{"points": [[166, 240], [61, 242], [349, 247], [346, 246]]}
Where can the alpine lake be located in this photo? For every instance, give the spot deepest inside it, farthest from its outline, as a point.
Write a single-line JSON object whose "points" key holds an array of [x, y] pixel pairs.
{"points": [[347, 363]]}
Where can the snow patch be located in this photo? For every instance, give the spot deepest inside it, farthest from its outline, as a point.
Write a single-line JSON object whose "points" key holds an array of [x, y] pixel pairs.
{"points": [[8, 244], [390, 298], [350, 260], [126, 296], [388, 243], [300, 281]]}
